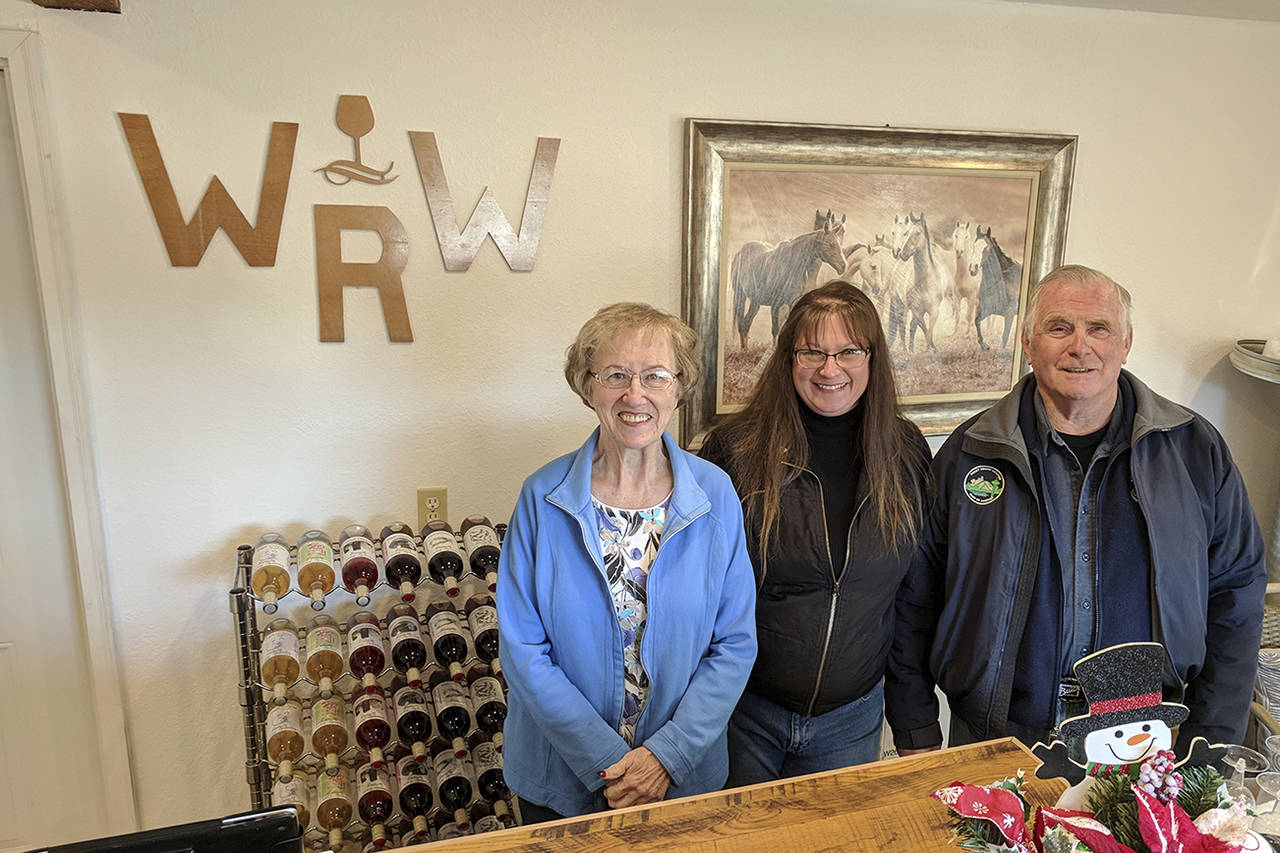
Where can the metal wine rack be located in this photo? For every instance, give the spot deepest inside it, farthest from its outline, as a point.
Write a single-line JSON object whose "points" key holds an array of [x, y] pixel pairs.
{"points": [[253, 695]]}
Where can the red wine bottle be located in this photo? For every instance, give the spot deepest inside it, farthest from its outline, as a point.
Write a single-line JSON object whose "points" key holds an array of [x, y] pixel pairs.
{"points": [[400, 558], [413, 718], [365, 655], [444, 559], [374, 801], [447, 640], [373, 729], [359, 565], [413, 779], [408, 651], [482, 617], [481, 544], [490, 707], [453, 712], [453, 783], [488, 766]]}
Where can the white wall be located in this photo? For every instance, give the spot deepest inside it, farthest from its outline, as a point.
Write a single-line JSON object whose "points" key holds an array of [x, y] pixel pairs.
{"points": [[217, 414]]}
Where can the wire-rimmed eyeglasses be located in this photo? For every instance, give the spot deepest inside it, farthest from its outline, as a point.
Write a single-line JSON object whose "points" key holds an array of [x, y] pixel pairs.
{"points": [[814, 359], [616, 378]]}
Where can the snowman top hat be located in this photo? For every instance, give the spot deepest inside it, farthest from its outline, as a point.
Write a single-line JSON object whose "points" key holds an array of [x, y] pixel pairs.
{"points": [[1122, 685]]}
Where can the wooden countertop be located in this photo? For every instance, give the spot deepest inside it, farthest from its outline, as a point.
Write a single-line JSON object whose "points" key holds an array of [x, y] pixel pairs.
{"points": [[873, 807]]}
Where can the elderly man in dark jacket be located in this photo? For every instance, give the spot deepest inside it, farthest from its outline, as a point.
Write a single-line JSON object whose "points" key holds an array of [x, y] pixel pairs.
{"points": [[1081, 511]]}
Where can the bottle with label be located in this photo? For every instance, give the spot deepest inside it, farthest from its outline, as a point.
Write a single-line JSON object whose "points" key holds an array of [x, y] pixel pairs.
{"points": [[453, 711], [483, 818], [294, 791], [359, 562], [488, 766], [408, 651], [482, 617], [480, 541], [280, 658], [270, 575], [333, 805], [285, 741], [400, 558], [374, 801], [366, 657], [490, 707], [445, 629], [373, 726], [329, 730], [324, 653], [445, 559], [453, 786], [315, 566], [413, 780], [413, 718]]}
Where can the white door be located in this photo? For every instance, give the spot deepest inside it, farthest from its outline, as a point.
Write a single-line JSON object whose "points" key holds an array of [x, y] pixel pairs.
{"points": [[50, 767]]}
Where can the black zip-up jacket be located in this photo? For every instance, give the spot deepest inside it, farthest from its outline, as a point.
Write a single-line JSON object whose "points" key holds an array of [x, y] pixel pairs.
{"points": [[824, 622]]}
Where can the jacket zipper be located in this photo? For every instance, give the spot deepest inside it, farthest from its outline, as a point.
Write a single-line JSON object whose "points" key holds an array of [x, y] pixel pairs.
{"points": [[835, 584]]}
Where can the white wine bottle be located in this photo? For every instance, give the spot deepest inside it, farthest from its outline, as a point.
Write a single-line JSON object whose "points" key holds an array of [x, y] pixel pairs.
{"points": [[270, 574]]}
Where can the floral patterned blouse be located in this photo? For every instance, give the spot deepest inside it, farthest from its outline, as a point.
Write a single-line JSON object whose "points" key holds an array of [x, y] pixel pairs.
{"points": [[629, 539]]}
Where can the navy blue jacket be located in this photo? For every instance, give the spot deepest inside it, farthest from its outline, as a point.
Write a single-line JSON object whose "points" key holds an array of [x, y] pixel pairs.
{"points": [[966, 601]]}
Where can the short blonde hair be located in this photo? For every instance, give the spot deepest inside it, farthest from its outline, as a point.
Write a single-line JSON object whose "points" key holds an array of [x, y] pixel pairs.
{"points": [[613, 320], [1075, 274]]}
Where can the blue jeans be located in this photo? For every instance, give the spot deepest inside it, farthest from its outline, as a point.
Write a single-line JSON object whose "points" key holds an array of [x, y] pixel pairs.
{"points": [[767, 742]]}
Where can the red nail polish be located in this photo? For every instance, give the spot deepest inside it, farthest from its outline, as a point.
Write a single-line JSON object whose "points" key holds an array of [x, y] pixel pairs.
{"points": [[601, 774]]}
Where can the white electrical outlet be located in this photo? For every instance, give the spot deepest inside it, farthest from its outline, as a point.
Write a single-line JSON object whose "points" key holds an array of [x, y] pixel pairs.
{"points": [[433, 505]]}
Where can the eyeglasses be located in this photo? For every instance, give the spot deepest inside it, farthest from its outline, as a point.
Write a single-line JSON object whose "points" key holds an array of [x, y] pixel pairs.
{"points": [[655, 378], [814, 359]]}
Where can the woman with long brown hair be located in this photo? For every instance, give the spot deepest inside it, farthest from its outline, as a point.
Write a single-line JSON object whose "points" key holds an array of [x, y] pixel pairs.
{"points": [[834, 483]]}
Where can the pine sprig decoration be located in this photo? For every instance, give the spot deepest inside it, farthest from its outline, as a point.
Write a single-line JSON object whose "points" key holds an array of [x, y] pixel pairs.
{"points": [[982, 836], [1199, 789], [1112, 802]]}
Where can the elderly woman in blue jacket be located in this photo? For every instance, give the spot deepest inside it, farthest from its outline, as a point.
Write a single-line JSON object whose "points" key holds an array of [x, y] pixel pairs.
{"points": [[626, 604]]}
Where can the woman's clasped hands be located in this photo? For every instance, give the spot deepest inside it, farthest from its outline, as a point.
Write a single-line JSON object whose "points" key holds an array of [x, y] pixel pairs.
{"points": [[636, 779]]}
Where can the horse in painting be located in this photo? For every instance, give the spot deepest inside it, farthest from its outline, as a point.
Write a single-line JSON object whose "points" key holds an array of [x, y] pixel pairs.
{"points": [[775, 275], [965, 291], [931, 277], [1000, 285], [815, 268]]}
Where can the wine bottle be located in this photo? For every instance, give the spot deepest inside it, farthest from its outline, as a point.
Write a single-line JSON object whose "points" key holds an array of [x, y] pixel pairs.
{"points": [[448, 829], [488, 766], [270, 575], [400, 558], [366, 657], [453, 785], [453, 712], [490, 707], [373, 728], [481, 544], [408, 651], [374, 801], [279, 657], [413, 779], [294, 791], [444, 559], [315, 566], [445, 629], [333, 805], [482, 617], [483, 818], [359, 563], [329, 730], [285, 741], [324, 653], [413, 718]]}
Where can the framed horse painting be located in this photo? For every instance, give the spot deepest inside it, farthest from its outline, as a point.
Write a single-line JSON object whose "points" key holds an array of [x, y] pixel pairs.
{"points": [[944, 230]]}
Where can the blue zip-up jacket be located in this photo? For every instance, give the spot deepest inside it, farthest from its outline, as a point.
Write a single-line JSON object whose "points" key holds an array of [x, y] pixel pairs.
{"points": [[967, 597], [562, 646]]}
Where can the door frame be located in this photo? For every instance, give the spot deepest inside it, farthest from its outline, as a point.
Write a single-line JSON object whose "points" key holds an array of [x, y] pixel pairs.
{"points": [[20, 60]]}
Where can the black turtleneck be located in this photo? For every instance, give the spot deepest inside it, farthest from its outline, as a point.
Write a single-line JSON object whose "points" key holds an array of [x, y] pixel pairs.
{"points": [[835, 456]]}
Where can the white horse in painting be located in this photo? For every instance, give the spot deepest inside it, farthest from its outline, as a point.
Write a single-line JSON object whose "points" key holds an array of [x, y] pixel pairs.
{"points": [[932, 277], [966, 281]]}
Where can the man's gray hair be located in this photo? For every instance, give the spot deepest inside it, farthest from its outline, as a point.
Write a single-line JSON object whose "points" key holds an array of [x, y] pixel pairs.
{"points": [[1076, 274]]}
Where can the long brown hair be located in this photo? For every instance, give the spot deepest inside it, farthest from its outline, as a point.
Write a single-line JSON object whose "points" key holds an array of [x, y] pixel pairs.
{"points": [[769, 431]]}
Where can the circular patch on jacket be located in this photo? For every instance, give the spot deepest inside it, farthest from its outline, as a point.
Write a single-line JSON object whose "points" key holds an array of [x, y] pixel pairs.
{"points": [[983, 484]]}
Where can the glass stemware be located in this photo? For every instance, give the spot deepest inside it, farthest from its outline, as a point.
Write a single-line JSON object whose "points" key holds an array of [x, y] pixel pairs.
{"points": [[1242, 760]]}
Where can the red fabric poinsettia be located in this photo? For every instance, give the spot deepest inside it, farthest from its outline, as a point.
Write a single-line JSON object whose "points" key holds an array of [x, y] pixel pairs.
{"points": [[993, 803], [1167, 829], [1082, 825]]}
